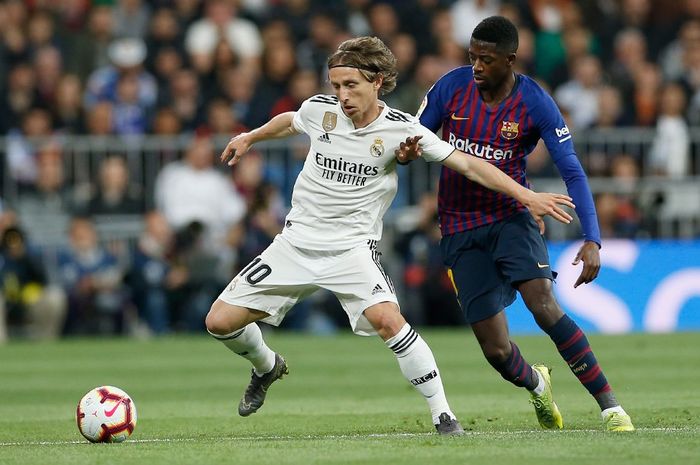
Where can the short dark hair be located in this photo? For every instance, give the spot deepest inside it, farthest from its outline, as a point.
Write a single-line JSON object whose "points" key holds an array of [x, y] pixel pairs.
{"points": [[497, 30]]}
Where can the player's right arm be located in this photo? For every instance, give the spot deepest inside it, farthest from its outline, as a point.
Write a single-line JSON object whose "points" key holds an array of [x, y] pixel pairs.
{"points": [[278, 127]]}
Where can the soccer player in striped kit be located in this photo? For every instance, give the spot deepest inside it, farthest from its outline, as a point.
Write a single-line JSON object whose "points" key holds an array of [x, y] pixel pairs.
{"points": [[330, 236], [492, 113]]}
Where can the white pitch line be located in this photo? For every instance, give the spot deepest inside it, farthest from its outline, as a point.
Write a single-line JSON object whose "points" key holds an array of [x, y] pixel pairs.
{"points": [[343, 436]]}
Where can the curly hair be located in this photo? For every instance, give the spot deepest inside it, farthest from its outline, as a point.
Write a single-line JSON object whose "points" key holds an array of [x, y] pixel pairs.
{"points": [[497, 30], [371, 57]]}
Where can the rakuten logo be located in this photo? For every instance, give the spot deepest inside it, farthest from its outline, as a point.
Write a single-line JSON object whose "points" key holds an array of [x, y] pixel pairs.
{"points": [[478, 150]]}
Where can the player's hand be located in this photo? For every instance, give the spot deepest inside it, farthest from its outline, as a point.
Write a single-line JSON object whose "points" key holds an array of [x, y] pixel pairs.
{"points": [[409, 150], [236, 147], [590, 256], [544, 203]]}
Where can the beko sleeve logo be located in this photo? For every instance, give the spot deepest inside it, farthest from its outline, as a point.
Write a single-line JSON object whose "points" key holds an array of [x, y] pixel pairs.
{"points": [[563, 134]]}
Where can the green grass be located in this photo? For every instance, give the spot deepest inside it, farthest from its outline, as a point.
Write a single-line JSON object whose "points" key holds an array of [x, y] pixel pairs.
{"points": [[344, 401]]}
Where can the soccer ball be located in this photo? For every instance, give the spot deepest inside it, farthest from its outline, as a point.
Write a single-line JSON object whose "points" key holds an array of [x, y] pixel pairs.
{"points": [[106, 414]]}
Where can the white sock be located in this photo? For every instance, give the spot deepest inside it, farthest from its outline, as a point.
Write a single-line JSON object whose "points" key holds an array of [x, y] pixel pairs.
{"points": [[539, 389], [248, 343], [418, 366], [617, 409]]}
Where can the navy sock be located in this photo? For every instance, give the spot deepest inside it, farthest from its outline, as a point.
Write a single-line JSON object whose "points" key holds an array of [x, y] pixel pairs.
{"points": [[576, 351], [515, 369]]}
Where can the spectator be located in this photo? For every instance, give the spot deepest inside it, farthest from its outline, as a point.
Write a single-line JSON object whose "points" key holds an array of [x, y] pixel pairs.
{"points": [[221, 120], [279, 62], [644, 99], [164, 33], [127, 57], [185, 98], [130, 118], [427, 283], [193, 190], [383, 21], [131, 18], [99, 119], [610, 108], [579, 96], [19, 97], [466, 14], [221, 23], [672, 57], [324, 33], [114, 195], [36, 127], [93, 282], [45, 207], [48, 64], [88, 47], [29, 305], [238, 85], [670, 152], [152, 278], [67, 110]]}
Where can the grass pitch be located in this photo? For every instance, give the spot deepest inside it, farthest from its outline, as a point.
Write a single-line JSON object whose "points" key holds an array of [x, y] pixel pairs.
{"points": [[344, 402]]}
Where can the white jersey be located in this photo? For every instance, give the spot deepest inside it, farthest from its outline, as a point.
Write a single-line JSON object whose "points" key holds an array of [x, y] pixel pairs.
{"points": [[349, 177]]}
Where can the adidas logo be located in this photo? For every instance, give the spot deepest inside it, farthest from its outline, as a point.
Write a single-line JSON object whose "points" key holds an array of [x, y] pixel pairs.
{"points": [[324, 138], [377, 289]]}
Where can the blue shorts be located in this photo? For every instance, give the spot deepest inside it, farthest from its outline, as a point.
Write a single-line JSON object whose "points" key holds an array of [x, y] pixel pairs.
{"points": [[486, 263]]}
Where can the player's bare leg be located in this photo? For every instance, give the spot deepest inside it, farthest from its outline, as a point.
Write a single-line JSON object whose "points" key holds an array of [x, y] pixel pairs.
{"points": [[574, 348], [416, 362], [235, 327], [504, 355]]}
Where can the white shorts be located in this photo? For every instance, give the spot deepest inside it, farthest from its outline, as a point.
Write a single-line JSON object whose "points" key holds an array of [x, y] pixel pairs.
{"points": [[283, 274]]}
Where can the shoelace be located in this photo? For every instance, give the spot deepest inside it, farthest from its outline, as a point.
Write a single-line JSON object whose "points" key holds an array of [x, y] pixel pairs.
{"points": [[538, 403]]}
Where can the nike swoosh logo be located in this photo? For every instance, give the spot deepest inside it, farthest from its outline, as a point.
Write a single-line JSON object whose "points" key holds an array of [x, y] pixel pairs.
{"points": [[459, 118], [109, 413], [539, 265]]}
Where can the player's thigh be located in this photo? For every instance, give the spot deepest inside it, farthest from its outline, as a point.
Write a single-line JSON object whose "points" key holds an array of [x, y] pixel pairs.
{"points": [[520, 250], [273, 282], [359, 281], [481, 289]]}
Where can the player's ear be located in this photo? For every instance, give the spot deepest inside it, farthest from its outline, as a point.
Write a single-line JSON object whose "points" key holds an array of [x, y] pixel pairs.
{"points": [[510, 58], [378, 81]]}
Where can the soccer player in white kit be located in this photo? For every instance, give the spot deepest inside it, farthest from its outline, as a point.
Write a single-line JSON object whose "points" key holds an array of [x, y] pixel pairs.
{"points": [[330, 236]]}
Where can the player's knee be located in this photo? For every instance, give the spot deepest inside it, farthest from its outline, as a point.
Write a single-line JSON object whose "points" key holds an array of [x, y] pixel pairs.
{"points": [[385, 319], [219, 321], [496, 354]]}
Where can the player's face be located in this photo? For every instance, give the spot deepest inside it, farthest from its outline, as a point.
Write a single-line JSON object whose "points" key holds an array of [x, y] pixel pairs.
{"points": [[357, 95], [491, 67]]}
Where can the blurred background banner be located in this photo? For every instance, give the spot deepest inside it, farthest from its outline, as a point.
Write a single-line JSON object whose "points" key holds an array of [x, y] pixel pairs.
{"points": [[649, 286]]}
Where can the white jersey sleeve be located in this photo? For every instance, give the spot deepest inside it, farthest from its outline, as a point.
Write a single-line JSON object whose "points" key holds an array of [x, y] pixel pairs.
{"points": [[434, 148], [298, 121]]}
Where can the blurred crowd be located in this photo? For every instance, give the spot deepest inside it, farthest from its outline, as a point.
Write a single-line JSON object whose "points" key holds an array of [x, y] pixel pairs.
{"points": [[130, 68]]}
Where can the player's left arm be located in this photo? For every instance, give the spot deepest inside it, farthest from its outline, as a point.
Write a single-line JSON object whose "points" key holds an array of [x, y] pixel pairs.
{"points": [[558, 140], [538, 203]]}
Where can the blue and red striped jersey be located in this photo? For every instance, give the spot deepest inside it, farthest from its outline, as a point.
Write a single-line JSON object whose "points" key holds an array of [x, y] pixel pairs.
{"points": [[503, 135]]}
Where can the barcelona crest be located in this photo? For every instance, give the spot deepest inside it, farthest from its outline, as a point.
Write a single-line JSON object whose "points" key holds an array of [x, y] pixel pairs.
{"points": [[330, 119], [509, 130]]}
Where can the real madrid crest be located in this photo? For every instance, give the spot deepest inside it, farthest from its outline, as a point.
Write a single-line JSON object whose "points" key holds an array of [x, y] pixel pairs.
{"points": [[509, 130], [377, 149], [330, 119]]}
